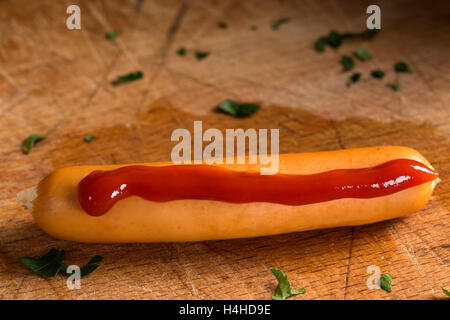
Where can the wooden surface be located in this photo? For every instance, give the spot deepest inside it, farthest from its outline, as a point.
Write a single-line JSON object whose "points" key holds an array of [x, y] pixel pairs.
{"points": [[57, 82]]}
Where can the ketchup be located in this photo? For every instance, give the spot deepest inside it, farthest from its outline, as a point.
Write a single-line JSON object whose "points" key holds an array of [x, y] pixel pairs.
{"points": [[100, 190]]}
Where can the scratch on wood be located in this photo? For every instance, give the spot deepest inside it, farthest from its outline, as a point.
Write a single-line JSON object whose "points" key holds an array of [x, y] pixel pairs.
{"points": [[408, 248], [20, 286], [347, 273], [173, 29], [195, 80], [186, 268], [338, 135], [175, 26], [428, 247], [90, 97], [11, 107], [49, 281]]}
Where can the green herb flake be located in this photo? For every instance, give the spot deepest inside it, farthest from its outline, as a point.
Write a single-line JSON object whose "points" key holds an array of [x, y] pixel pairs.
{"points": [[362, 54], [378, 73], [386, 282], [181, 51], [394, 86], [347, 62], [90, 266], [29, 142], [52, 262], [320, 45], [446, 292], [46, 266], [283, 290], [200, 55], [89, 139], [223, 25], [238, 109], [112, 34], [133, 76], [334, 39], [276, 25], [254, 28], [402, 67], [353, 78]]}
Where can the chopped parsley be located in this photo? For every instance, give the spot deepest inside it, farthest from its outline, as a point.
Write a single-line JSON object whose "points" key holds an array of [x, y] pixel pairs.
{"points": [[52, 262], [283, 289], [394, 86], [133, 76], [91, 266], [319, 45], [362, 54], [353, 78], [254, 28], [200, 55], [223, 25], [347, 62], [446, 292], [238, 109], [378, 73], [181, 51], [334, 39], [29, 142], [402, 67], [89, 139], [386, 282], [112, 34], [46, 266], [276, 25]]}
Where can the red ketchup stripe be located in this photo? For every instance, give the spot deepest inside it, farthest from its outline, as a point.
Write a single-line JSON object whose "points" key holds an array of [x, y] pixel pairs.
{"points": [[100, 190]]}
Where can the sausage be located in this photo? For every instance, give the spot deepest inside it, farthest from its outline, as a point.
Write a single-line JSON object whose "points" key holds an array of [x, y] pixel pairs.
{"points": [[57, 202]]}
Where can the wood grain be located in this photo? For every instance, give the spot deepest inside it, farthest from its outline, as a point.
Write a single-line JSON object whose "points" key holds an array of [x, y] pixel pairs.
{"points": [[57, 82]]}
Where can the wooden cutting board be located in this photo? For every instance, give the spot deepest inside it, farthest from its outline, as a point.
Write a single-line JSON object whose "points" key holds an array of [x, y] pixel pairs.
{"points": [[56, 81]]}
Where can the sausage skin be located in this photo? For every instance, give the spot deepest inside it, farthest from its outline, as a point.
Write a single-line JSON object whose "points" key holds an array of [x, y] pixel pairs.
{"points": [[55, 206]]}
